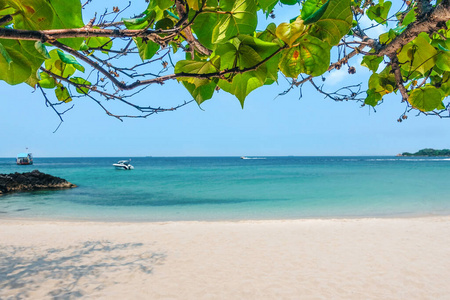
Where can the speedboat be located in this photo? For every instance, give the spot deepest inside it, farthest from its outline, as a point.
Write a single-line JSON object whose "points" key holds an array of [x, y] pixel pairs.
{"points": [[123, 165]]}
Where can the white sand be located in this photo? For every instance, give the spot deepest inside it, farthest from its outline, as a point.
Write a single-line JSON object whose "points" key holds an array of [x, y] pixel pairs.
{"points": [[298, 259]]}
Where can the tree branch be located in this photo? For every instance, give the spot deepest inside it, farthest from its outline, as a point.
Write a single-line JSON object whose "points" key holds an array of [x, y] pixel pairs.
{"points": [[428, 23], [398, 77]]}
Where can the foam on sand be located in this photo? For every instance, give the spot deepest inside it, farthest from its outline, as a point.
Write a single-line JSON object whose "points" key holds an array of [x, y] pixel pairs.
{"points": [[294, 259]]}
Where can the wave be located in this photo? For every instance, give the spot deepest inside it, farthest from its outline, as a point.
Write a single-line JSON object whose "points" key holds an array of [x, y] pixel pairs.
{"points": [[408, 159]]}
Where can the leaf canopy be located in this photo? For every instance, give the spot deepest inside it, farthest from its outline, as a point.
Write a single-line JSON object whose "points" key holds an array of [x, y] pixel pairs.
{"points": [[225, 49]]}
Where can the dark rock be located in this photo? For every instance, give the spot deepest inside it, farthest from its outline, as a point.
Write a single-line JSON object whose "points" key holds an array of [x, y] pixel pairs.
{"points": [[31, 181]]}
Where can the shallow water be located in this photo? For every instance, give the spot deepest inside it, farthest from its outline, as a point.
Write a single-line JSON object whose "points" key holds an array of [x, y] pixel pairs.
{"points": [[230, 188]]}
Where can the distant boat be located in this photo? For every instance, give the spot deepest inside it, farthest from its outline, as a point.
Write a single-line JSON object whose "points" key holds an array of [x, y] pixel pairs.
{"points": [[123, 165], [24, 159], [246, 157]]}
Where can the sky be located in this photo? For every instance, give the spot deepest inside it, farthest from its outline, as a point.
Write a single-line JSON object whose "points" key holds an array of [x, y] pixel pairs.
{"points": [[267, 126]]}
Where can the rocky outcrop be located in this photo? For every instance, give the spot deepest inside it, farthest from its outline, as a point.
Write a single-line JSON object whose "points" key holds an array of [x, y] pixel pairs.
{"points": [[31, 181]]}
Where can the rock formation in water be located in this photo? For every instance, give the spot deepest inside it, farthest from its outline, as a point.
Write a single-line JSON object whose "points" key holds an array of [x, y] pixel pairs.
{"points": [[31, 181]]}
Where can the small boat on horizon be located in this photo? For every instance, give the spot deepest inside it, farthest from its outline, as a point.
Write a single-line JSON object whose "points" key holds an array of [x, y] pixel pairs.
{"points": [[123, 165], [24, 159], [246, 157]]}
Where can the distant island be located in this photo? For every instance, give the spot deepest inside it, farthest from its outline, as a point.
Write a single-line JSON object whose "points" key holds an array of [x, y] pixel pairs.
{"points": [[428, 152]]}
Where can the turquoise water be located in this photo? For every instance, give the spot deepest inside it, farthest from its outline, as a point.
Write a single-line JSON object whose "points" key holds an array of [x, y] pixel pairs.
{"points": [[229, 188]]}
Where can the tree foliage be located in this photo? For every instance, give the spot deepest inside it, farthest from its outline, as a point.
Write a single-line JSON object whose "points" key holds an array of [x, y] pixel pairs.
{"points": [[211, 45]]}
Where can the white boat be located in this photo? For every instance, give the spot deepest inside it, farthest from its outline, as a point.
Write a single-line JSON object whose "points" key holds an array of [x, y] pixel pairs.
{"points": [[123, 165]]}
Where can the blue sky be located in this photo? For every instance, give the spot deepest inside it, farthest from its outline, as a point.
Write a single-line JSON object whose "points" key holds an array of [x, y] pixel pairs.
{"points": [[268, 125]]}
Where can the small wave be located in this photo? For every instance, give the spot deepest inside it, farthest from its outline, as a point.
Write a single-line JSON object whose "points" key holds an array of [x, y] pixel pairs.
{"points": [[408, 159]]}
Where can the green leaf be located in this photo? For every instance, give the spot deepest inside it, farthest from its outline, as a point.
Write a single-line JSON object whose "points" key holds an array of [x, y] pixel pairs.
{"points": [[84, 46], [19, 62], [164, 4], [290, 32], [309, 7], [147, 49], [418, 55], [203, 27], [98, 42], [202, 92], [79, 80], [267, 5], [264, 49], [313, 14], [40, 47], [443, 60], [311, 57], [47, 81], [379, 12], [55, 14], [426, 98], [409, 17], [240, 19], [32, 14], [140, 23], [5, 55], [372, 98], [201, 89], [70, 60], [245, 52], [67, 14], [387, 37], [194, 4], [242, 84], [289, 2], [269, 34], [334, 23], [372, 62], [383, 83], [57, 66], [62, 93], [165, 23]]}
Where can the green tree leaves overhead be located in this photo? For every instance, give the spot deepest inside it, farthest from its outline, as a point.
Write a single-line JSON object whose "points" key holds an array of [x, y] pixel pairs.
{"points": [[55, 14], [311, 56], [380, 85], [225, 49], [147, 49], [380, 11], [19, 62], [418, 55], [200, 88], [238, 17], [334, 22], [290, 32]]}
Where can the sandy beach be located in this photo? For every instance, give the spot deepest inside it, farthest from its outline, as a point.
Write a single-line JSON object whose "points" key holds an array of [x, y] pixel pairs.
{"points": [[293, 259]]}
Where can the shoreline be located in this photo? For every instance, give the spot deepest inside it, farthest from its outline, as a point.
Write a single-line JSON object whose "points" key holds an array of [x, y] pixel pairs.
{"points": [[259, 220], [377, 258]]}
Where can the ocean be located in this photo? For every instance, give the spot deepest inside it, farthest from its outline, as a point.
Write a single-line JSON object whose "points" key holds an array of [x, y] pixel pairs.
{"points": [[230, 188]]}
